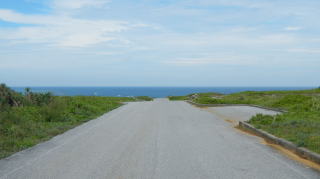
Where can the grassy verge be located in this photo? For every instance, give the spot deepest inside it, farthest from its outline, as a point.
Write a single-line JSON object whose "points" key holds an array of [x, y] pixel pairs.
{"points": [[178, 98], [143, 98], [30, 118], [300, 125]]}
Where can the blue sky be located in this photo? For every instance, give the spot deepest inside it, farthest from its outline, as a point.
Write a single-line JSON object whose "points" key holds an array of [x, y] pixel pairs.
{"points": [[160, 43]]}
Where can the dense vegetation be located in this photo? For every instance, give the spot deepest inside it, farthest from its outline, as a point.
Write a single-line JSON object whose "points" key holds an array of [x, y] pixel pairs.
{"points": [[301, 124], [29, 118]]}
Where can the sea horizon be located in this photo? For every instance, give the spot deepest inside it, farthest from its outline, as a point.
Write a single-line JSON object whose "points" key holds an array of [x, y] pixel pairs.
{"points": [[152, 91]]}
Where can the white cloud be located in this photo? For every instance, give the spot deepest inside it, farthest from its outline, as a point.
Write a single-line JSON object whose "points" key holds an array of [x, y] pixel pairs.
{"points": [[227, 39], [213, 59], [237, 3], [77, 4], [293, 28], [64, 31], [303, 50], [11, 16]]}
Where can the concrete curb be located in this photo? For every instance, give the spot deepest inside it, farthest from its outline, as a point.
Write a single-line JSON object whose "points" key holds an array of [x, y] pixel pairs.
{"points": [[221, 105], [302, 152]]}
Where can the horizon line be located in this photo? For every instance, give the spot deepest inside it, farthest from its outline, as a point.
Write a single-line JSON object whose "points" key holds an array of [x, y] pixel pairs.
{"points": [[167, 86]]}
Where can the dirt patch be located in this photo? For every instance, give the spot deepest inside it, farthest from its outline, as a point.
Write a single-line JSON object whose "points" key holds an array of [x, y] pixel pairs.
{"points": [[233, 122]]}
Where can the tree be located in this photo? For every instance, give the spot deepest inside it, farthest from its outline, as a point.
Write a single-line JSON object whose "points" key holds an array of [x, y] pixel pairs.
{"points": [[9, 97]]}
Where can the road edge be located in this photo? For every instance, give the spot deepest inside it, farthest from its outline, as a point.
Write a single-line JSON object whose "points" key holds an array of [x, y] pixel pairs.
{"points": [[300, 151]]}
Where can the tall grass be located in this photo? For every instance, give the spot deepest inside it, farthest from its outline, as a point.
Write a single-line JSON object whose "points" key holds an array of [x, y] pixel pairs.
{"points": [[29, 118]]}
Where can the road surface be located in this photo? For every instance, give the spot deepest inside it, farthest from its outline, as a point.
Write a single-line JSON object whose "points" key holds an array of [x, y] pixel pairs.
{"points": [[160, 140], [238, 113]]}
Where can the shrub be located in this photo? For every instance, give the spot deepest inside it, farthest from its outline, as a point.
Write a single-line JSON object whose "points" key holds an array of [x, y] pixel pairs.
{"points": [[54, 111], [9, 97], [38, 98]]}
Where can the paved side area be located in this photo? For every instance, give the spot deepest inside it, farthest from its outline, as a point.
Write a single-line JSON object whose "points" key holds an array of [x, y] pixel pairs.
{"points": [[160, 140], [239, 113]]}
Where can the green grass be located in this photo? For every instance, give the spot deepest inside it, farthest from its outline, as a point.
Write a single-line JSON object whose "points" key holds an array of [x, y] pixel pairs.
{"points": [[143, 98], [300, 125], [193, 96], [178, 98], [24, 126]]}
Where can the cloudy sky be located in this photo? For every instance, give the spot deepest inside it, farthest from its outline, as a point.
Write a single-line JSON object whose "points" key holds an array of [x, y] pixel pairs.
{"points": [[160, 43]]}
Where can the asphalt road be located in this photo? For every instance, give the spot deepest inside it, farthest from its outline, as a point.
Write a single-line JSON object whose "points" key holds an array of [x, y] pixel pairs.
{"points": [[159, 139], [238, 113]]}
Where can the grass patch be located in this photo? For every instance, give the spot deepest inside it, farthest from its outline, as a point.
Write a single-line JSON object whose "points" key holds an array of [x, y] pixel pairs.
{"points": [[143, 98], [30, 118], [178, 98], [194, 96], [300, 125]]}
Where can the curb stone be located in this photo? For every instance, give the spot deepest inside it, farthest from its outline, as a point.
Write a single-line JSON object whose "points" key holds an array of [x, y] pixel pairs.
{"points": [[300, 151]]}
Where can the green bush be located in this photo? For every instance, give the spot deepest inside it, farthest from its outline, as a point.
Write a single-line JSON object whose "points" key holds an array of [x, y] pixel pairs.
{"points": [[8, 97], [54, 111]]}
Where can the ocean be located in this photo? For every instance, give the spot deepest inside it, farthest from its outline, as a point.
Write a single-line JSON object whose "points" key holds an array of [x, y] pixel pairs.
{"points": [[156, 92]]}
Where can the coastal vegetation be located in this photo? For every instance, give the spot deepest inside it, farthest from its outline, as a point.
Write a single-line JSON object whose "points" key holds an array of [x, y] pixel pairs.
{"points": [[177, 98], [29, 118], [300, 124], [143, 98]]}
